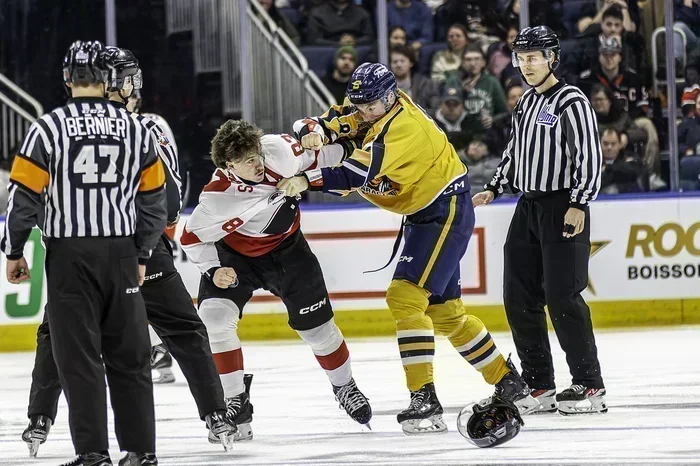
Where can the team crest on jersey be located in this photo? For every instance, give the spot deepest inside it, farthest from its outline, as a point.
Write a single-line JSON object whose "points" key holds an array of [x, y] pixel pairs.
{"points": [[163, 140], [546, 118], [381, 187]]}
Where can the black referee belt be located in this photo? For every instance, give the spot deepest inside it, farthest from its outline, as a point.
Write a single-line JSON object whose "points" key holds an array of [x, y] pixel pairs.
{"points": [[539, 194]]}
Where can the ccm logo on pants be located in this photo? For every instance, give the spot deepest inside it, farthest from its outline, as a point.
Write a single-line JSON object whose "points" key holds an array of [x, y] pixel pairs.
{"points": [[315, 307], [151, 277]]}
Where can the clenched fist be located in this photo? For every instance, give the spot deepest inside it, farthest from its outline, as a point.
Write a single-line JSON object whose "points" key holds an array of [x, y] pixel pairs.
{"points": [[294, 186], [225, 277], [313, 141]]}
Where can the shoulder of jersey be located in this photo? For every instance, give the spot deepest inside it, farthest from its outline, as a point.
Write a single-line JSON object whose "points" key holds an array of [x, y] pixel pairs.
{"points": [[278, 152], [219, 183]]}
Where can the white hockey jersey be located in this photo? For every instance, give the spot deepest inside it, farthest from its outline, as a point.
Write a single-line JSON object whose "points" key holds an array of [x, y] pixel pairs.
{"points": [[253, 218]]}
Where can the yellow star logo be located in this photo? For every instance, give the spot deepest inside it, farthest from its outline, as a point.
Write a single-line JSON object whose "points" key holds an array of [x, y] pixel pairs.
{"points": [[596, 246]]}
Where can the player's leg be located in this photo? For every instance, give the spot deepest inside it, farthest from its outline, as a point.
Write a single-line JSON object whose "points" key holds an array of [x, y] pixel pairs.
{"points": [[305, 295], [523, 297], [220, 311], [565, 277], [44, 392], [435, 239], [171, 312], [126, 352], [74, 321]]}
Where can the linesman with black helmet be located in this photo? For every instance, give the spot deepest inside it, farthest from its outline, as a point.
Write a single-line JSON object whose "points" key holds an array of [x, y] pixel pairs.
{"points": [[554, 158], [105, 208]]}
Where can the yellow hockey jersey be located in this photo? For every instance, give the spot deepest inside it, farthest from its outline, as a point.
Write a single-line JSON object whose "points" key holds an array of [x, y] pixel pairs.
{"points": [[403, 163]]}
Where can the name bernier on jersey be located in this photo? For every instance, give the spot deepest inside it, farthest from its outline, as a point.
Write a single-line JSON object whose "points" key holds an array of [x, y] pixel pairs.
{"points": [[89, 125]]}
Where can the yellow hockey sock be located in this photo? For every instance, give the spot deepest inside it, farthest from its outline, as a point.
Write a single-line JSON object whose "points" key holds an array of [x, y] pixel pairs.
{"points": [[414, 331], [470, 338]]}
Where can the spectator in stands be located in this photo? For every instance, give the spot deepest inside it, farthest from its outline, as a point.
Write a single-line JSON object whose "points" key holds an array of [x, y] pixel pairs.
{"points": [[500, 56], [547, 12], [478, 33], [692, 68], [689, 132], [339, 22], [397, 36], [585, 55], [482, 165], [450, 118], [688, 98], [630, 96], [687, 15], [281, 21], [628, 24], [623, 171], [497, 137], [344, 63], [610, 116], [484, 97], [450, 60], [461, 12], [415, 18], [421, 89]]}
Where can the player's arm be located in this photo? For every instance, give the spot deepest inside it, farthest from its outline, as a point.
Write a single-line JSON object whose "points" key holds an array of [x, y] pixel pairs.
{"points": [[203, 229], [28, 179], [151, 208], [340, 121], [504, 172], [167, 151], [582, 138]]}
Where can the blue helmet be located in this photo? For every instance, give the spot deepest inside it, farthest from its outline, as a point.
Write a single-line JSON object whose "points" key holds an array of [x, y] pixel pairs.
{"points": [[370, 82]]}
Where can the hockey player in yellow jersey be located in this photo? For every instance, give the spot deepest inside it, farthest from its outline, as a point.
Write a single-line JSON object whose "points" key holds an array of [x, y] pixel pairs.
{"points": [[405, 164]]}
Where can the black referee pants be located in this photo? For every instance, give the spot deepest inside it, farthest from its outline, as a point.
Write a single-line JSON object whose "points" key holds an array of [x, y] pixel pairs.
{"points": [[97, 315], [542, 267], [173, 316]]}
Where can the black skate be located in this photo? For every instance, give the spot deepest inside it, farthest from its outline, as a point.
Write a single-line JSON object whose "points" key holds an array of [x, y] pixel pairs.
{"points": [[351, 399], [36, 432], [239, 410], [578, 399], [161, 365], [513, 388], [91, 459], [424, 414], [139, 459], [221, 429]]}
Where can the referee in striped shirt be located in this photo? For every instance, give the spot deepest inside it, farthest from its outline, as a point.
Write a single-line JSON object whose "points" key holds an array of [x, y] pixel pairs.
{"points": [[105, 210], [554, 158]]}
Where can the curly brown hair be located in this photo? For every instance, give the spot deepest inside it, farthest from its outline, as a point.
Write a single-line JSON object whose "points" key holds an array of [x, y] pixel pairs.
{"points": [[234, 140]]}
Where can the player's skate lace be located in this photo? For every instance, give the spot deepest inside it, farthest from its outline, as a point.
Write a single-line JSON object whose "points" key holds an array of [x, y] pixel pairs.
{"points": [[351, 399], [577, 388], [416, 400]]}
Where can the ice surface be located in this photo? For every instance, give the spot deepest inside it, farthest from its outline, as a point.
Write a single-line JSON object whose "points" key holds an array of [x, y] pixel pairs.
{"points": [[652, 377]]}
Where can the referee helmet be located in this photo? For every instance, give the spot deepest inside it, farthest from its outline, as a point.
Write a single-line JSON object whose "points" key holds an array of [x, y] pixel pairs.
{"points": [[84, 64], [538, 39]]}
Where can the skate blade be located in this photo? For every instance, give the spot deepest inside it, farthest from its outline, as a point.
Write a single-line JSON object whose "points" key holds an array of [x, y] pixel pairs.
{"points": [[368, 426], [162, 376], [245, 432], [226, 441], [33, 447], [431, 425], [573, 408], [527, 405]]}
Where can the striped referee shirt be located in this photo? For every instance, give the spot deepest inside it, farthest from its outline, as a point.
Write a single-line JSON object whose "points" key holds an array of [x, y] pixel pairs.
{"points": [[554, 145], [94, 169]]}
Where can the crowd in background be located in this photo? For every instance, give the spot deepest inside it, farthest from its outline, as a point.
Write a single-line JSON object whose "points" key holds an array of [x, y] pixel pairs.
{"points": [[453, 57]]}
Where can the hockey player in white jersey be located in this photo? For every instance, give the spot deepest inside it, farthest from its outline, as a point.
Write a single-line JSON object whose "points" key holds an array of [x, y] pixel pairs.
{"points": [[244, 235]]}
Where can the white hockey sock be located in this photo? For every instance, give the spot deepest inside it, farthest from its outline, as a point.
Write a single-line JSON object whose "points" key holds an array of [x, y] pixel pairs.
{"points": [[328, 345]]}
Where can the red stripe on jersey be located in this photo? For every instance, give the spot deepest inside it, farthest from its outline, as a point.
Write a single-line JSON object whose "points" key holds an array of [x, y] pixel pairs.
{"points": [[219, 185], [254, 246], [230, 361], [336, 359], [187, 238]]}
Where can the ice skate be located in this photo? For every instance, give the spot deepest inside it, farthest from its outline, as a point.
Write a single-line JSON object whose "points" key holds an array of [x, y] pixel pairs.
{"points": [[36, 432], [139, 459], [513, 388], [161, 365], [91, 459], [578, 399], [239, 411], [351, 399], [424, 414], [221, 429], [546, 401]]}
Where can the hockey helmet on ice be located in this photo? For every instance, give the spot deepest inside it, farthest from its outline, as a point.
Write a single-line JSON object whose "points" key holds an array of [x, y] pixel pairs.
{"points": [[492, 422]]}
